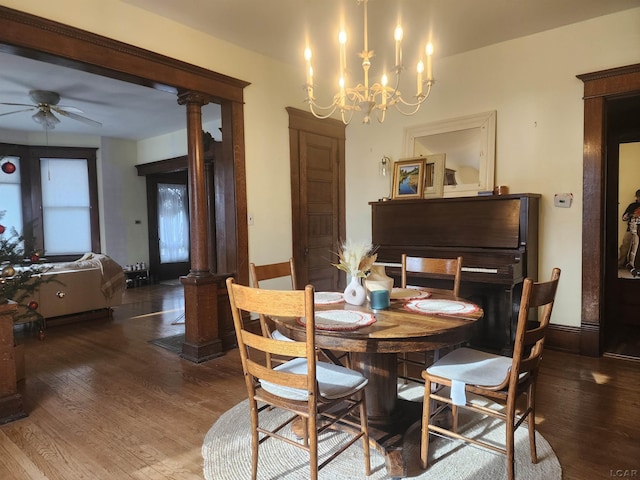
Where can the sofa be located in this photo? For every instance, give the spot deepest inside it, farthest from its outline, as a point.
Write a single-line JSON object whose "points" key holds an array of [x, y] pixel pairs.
{"points": [[91, 283]]}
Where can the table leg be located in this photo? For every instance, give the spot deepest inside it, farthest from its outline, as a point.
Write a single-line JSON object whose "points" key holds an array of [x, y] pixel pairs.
{"points": [[389, 417], [382, 390]]}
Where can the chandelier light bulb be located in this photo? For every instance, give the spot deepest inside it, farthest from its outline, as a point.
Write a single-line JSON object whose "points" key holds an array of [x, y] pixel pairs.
{"points": [[397, 34], [398, 37], [429, 50]]}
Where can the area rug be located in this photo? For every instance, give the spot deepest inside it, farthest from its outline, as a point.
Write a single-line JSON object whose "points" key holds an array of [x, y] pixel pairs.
{"points": [[226, 453], [172, 343]]}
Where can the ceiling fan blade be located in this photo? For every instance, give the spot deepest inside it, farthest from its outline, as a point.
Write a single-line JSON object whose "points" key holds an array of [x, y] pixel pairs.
{"points": [[67, 108], [16, 111], [18, 104], [75, 116]]}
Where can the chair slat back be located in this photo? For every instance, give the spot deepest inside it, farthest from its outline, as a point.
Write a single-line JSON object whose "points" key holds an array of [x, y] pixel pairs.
{"points": [[529, 341], [448, 267], [256, 349], [260, 273]]}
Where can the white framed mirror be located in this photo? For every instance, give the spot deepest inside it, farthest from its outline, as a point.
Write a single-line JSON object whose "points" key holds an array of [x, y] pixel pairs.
{"points": [[469, 146]]}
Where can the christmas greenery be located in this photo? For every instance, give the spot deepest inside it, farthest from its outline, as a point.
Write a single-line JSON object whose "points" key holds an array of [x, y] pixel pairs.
{"points": [[20, 275]]}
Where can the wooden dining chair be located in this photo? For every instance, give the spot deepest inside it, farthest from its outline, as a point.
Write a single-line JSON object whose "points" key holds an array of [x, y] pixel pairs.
{"points": [[272, 271], [325, 395], [447, 269], [496, 377]]}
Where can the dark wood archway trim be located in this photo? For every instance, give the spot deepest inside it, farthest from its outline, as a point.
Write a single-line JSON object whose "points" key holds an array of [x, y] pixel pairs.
{"points": [[42, 39], [598, 88]]}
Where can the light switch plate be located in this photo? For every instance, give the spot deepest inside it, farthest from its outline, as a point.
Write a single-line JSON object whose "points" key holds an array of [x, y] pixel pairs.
{"points": [[563, 200]]}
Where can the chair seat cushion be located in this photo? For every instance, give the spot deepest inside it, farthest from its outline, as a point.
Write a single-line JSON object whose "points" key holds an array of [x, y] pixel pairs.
{"points": [[472, 367], [276, 335], [334, 381]]}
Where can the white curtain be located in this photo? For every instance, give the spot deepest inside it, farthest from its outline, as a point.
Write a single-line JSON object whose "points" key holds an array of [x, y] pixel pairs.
{"points": [[173, 223]]}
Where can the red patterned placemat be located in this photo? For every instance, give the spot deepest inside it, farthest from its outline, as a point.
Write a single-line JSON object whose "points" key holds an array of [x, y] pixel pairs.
{"points": [[341, 320], [442, 307]]}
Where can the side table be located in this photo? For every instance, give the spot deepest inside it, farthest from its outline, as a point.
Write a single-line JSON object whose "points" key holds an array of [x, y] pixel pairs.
{"points": [[11, 407], [135, 278]]}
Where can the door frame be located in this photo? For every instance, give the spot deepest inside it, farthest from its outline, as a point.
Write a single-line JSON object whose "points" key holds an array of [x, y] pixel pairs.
{"points": [[598, 88]]}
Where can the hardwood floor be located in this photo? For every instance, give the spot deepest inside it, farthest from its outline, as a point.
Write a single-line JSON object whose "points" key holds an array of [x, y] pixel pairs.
{"points": [[104, 403]]}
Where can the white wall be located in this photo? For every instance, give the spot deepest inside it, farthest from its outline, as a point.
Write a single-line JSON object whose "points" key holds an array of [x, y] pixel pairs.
{"points": [[123, 203], [531, 82]]}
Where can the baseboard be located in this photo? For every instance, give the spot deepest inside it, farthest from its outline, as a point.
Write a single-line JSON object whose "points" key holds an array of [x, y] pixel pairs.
{"points": [[564, 338]]}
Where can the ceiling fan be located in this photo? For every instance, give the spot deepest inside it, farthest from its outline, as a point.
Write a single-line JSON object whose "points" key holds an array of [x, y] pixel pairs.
{"points": [[46, 102]]}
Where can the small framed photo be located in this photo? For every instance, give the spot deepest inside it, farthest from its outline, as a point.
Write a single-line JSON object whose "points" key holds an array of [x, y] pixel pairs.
{"points": [[434, 175], [408, 178]]}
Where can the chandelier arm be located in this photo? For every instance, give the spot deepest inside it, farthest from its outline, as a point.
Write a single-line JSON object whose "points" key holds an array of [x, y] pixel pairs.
{"points": [[345, 121], [417, 104], [381, 115], [322, 116]]}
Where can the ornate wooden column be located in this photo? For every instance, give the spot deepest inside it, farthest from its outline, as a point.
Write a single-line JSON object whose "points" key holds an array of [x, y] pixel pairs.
{"points": [[10, 400], [202, 331]]}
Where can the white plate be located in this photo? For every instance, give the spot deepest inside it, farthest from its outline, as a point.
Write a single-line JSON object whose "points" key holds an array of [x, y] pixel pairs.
{"points": [[327, 298], [435, 306], [340, 320], [408, 294]]}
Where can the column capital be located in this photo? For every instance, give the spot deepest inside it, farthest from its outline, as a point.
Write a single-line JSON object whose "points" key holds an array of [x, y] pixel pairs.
{"points": [[191, 97]]}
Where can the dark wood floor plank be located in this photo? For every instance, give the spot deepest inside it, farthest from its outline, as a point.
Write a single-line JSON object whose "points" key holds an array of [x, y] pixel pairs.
{"points": [[105, 403]]}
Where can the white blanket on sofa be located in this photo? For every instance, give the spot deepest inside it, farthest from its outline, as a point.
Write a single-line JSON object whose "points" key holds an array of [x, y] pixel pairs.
{"points": [[113, 278]]}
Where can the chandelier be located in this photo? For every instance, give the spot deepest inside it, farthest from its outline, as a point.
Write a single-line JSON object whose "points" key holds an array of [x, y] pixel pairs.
{"points": [[368, 98]]}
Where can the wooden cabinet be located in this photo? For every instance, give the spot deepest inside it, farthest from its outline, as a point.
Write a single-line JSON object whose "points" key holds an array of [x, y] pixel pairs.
{"points": [[10, 400]]}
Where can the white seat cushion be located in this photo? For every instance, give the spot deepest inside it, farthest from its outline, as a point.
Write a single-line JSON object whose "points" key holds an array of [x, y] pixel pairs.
{"points": [[276, 335], [334, 381], [472, 367]]}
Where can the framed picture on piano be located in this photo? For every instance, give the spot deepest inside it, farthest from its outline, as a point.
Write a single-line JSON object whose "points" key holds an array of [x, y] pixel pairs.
{"points": [[408, 178]]}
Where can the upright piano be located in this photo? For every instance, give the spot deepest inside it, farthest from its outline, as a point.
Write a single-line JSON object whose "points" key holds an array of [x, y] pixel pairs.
{"points": [[497, 237]]}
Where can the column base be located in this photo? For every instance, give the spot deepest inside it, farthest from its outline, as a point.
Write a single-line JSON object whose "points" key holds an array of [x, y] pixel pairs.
{"points": [[199, 353], [11, 408]]}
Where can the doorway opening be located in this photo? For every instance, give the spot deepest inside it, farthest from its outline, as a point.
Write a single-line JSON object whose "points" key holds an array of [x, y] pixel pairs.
{"points": [[622, 299], [168, 217]]}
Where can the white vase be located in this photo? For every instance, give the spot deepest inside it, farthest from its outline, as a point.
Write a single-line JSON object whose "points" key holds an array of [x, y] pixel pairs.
{"points": [[378, 279], [355, 293]]}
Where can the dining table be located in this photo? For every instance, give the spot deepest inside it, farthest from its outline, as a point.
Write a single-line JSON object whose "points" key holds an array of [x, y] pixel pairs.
{"points": [[416, 320]]}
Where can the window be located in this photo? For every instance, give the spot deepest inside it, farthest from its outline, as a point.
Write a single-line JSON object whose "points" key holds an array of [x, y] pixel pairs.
{"points": [[58, 196], [173, 223]]}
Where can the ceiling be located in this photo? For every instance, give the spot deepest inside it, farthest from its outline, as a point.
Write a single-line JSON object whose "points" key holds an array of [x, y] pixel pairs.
{"points": [[280, 29]]}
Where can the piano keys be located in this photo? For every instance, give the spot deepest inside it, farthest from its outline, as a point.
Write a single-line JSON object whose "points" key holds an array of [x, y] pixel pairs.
{"points": [[497, 237]]}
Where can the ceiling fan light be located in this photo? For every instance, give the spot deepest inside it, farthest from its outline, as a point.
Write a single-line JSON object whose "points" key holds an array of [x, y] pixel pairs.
{"points": [[46, 119]]}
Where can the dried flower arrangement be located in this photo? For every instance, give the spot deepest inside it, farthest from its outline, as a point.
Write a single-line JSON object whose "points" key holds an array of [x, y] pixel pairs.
{"points": [[356, 258]]}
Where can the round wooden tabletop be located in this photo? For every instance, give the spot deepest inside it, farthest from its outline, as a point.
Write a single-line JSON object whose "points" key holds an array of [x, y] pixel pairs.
{"points": [[395, 330]]}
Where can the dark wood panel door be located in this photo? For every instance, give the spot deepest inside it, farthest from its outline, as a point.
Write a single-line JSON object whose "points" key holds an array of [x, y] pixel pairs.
{"points": [[317, 171], [319, 164]]}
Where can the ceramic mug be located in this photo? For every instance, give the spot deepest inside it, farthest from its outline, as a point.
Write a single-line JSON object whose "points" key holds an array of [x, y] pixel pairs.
{"points": [[379, 299]]}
